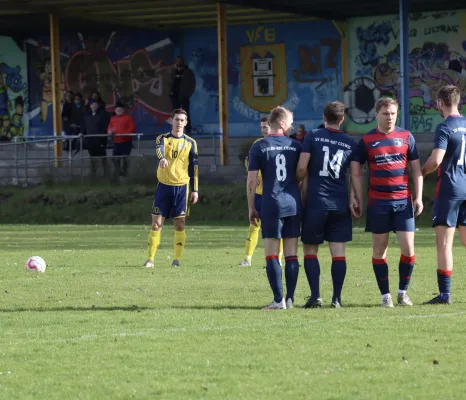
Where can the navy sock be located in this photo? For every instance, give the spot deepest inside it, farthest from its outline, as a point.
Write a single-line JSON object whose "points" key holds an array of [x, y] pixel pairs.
{"points": [[338, 276], [291, 276], [406, 270], [444, 282], [312, 269], [274, 273], [381, 274]]}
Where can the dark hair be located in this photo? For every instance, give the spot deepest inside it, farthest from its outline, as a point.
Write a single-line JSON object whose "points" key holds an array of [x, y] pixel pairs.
{"points": [[265, 119], [450, 95], [334, 112], [179, 111], [385, 102]]}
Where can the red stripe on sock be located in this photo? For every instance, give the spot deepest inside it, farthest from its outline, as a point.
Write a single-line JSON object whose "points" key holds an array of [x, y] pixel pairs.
{"points": [[408, 260], [444, 273], [378, 261], [291, 258], [311, 257], [338, 258], [271, 258]]}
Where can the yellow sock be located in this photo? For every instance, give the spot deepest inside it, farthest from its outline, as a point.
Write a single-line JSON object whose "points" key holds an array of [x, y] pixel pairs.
{"points": [[153, 244], [251, 241], [179, 241], [280, 254]]}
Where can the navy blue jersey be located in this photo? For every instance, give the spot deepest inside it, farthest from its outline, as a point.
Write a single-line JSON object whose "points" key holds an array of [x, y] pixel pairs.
{"points": [[331, 153], [450, 136], [277, 159]]}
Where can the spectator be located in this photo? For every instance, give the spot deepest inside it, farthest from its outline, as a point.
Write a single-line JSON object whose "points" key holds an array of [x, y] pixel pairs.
{"points": [[182, 86], [300, 134], [119, 124], [96, 123]]}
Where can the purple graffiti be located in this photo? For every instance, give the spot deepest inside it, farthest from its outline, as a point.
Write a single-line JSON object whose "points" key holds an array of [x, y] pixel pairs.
{"points": [[370, 38]]}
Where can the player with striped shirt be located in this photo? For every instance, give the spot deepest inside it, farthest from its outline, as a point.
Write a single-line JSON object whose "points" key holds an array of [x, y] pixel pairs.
{"points": [[177, 176], [389, 152]]}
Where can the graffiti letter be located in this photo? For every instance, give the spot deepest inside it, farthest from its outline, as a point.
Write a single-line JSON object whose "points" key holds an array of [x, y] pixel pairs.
{"points": [[307, 64], [269, 35], [334, 45]]}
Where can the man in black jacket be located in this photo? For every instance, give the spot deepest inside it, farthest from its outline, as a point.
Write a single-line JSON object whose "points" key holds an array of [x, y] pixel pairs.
{"points": [[96, 122], [182, 86]]}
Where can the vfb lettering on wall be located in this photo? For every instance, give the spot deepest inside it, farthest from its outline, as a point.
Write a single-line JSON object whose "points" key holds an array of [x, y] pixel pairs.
{"points": [[317, 60], [255, 35], [135, 76]]}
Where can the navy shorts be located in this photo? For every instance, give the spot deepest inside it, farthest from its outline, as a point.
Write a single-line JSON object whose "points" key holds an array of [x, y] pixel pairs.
{"points": [[450, 213], [122, 149], [390, 218], [171, 201], [333, 226], [258, 203], [281, 228]]}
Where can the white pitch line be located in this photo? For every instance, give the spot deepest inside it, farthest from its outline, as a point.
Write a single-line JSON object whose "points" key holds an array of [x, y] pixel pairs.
{"points": [[158, 331]]}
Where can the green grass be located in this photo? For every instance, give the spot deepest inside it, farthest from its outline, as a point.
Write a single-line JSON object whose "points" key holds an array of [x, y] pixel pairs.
{"points": [[96, 325]]}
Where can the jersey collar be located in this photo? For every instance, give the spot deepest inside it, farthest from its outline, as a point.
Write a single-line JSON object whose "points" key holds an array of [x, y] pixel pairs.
{"points": [[276, 134], [334, 130]]}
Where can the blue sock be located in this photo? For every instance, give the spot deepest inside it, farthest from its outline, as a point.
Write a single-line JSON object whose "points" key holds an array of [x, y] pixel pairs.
{"points": [[406, 270], [444, 282], [338, 276], [381, 274], [274, 273], [312, 269], [291, 276]]}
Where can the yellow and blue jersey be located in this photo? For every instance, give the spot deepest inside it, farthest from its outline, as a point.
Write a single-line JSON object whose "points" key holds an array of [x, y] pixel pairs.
{"points": [[259, 175], [182, 156]]}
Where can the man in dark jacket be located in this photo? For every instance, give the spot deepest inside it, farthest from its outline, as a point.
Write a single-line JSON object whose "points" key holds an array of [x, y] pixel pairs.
{"points": [[96, 122], [182, 86]]}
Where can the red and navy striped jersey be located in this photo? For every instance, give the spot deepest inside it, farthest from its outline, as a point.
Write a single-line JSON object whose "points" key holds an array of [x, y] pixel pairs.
{"points": [[387, 156], [450, 136]]}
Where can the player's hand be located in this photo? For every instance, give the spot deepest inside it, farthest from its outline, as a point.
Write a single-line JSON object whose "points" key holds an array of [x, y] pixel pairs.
{"points": [[418, 207], [356, 210], [163, 163], [194, 197], [253, 217]]}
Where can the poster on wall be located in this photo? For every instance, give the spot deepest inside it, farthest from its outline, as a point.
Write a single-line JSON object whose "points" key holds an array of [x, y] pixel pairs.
{"points": [[13, 90]]}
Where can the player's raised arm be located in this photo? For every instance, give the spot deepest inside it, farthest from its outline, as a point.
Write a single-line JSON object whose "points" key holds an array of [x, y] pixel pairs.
{"points": [[160, 151], [193, 170], [416, 172]]}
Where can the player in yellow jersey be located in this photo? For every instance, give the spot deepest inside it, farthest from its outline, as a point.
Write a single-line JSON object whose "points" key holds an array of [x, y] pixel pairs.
{"points": [[253, 233], [177, 174]]}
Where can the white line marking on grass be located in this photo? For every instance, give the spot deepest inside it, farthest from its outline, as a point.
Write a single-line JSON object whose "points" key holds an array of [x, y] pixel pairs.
{"points": [[159, 331]]}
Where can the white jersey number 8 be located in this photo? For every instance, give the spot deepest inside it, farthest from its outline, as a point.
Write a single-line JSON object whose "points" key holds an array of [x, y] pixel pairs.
{"points": [[280, 162]]}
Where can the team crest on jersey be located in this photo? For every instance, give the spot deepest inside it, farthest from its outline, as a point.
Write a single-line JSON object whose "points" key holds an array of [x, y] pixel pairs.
{"points": [[180, 146], [398, 142]]}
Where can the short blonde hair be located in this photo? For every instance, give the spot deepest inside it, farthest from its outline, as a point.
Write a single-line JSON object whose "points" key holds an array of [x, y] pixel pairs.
{"points": [[278, 114], [385, 102]]}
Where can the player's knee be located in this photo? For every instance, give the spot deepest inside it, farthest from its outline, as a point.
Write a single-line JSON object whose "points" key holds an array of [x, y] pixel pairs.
{"points": [[179, 224]]}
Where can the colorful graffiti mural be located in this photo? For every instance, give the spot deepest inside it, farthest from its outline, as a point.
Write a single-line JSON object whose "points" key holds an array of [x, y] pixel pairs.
{"points": [[130, 67], [268, 65], [437, 57], [13, 90]]}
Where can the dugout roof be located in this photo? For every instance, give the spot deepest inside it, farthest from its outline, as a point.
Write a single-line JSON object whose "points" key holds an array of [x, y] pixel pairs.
{"points": [[29, 17]]}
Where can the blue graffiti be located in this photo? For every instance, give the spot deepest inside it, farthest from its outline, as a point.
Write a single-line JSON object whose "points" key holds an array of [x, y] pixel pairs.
{"points": [[370, 38], [13, 80]]}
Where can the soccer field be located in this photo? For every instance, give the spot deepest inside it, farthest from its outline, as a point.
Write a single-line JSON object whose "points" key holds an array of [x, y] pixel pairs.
{"points": [[97, 325]]}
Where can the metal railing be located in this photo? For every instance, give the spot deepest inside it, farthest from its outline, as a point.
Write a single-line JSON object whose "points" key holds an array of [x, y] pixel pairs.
{"points": [[24, 154]]}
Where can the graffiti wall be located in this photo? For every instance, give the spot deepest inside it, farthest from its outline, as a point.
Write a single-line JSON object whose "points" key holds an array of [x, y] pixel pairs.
{"points": [[297, 65], [437, 56], [132, 67], [13, 90]]}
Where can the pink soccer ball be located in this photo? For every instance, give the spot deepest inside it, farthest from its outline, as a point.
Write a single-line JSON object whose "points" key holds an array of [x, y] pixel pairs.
{"points": [[36, 264]]}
